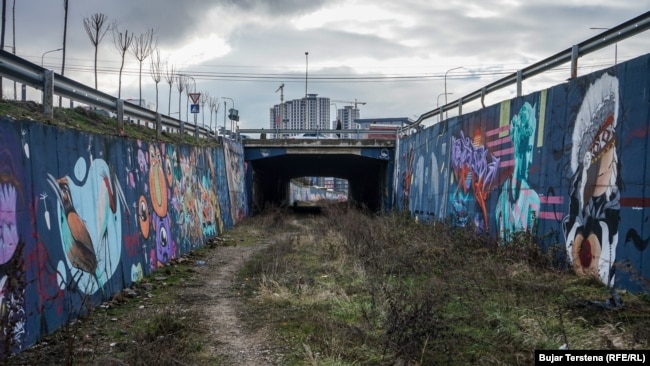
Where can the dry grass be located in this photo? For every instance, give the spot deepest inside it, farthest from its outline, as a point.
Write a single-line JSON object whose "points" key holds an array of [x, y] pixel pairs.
{"points": [[359, 288]]}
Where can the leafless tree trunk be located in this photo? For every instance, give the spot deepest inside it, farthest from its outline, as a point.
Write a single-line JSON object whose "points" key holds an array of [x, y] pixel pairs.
{"points": [[180, 86], [156, 73], [142, 48], [65, 38], [188, 90], [170, 75], [2, 36], [122, 42], [213, 102], [96, 29], [204, 99]]}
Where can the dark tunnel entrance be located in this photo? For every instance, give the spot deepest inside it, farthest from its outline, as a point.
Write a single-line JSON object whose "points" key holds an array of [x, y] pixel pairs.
{"points": [[369, 178]]}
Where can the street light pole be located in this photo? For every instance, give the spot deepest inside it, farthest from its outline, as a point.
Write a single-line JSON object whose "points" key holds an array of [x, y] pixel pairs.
{"points": [[455, 68], [46, 52], [306, 78], [224, 112]]}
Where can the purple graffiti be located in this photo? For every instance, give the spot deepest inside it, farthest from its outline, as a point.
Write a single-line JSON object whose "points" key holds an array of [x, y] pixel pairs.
{"points": [[472, 172]]}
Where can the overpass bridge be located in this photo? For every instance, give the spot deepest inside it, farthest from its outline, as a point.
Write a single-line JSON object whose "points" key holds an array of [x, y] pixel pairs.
{"points": [[367, 164]]}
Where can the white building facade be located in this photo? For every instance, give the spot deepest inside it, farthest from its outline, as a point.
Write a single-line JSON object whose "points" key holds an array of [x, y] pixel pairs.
{"points": [[312, 112]]}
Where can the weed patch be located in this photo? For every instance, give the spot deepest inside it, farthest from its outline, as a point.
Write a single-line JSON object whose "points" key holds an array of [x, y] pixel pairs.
{"points": [[353, 287]]}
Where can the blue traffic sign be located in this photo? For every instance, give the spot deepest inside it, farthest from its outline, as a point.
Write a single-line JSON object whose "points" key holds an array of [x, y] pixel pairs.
{"points": [[194, 108]]}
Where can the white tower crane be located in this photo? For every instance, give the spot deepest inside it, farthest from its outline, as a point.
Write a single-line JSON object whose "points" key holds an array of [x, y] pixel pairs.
{"points": [[281, 89]]}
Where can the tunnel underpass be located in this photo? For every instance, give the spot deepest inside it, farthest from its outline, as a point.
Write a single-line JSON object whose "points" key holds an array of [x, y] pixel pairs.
{"points": [[367, 165]]}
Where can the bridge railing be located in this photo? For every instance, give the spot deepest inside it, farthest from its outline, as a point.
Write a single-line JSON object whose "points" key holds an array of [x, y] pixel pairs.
{"points": [[27, 73], [572, 54], [358, 133]]}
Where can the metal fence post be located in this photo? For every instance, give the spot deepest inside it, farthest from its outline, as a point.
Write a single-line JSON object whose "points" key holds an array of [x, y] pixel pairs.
{"points": [[196, 129], [519, 80], [574, 61], [48, 93]]}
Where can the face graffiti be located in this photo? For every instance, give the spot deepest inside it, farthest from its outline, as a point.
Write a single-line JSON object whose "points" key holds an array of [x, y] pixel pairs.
{"points": [[518, 204], [8, 222], [591, 228]]}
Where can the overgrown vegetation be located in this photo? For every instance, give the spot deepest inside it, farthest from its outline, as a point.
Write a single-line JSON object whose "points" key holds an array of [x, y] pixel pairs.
{"points": [[356, 288], [92, 122]]}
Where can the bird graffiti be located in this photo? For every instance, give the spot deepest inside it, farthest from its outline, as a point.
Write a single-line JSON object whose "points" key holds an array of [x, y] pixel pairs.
{"points": [[77, 242]]}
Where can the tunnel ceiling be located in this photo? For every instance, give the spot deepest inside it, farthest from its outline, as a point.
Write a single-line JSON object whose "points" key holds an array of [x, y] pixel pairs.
{"points": [[346, 166]]}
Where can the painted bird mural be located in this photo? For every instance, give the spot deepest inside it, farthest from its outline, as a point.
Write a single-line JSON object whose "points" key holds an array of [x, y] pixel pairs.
{"points": [[77, 242]]}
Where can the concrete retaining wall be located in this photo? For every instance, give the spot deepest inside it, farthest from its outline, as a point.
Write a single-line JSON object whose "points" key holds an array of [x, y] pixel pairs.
{"points": [[83, 216], [569, 164]]}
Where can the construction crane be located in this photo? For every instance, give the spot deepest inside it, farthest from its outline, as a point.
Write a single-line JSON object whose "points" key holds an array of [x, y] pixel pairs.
{"points": [[355, 102], [348, 124], [281, 89]]}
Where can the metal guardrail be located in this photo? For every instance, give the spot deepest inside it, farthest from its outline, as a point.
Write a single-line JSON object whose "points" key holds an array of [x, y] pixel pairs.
{"points": [[609, 37], [284, 132], [25, 72]]}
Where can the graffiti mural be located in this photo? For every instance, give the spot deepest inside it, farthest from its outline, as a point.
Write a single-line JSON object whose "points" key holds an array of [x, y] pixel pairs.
{"points": [[83, 216], [566, 164], [474, 171], [518, 204], [12, 243], [591, 227]]}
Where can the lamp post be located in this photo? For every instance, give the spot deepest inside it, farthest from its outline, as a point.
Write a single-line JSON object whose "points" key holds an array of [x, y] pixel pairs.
{"points": [[306, 78], [224, 115], [447, 72], [46, 52], [615, 45]]}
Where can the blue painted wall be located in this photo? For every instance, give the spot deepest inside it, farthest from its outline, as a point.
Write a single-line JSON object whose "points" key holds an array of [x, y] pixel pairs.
{"points": [[569, 164], [83, 216]]}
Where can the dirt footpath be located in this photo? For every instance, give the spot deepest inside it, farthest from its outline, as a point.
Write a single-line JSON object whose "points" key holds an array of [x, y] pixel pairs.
{"points": [[217, 286]]}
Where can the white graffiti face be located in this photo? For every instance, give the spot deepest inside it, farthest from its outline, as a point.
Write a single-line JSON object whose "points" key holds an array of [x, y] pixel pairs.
{"points": [[8, 224]]}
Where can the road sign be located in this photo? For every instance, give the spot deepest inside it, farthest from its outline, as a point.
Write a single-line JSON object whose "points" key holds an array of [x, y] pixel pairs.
{"points": [[194, 108], [195, 98]]}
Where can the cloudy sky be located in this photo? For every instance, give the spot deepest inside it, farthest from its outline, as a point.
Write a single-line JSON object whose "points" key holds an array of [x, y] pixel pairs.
{"points": [[391, 55]]}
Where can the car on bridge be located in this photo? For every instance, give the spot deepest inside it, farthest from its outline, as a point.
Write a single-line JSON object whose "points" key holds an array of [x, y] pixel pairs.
{"points": [[312, 136]]}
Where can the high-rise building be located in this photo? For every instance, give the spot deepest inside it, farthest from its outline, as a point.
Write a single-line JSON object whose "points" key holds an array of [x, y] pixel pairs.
{"points": [[312, 112], [347, 115]]}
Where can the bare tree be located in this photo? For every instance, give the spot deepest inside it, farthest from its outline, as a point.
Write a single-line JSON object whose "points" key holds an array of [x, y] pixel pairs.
{"points": [[213, 102], [188, 89], [156, 73], [180, 86], [65, 38], [122, 42], [143, 46], [205, 96], [96, 28], [170, 75]]}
